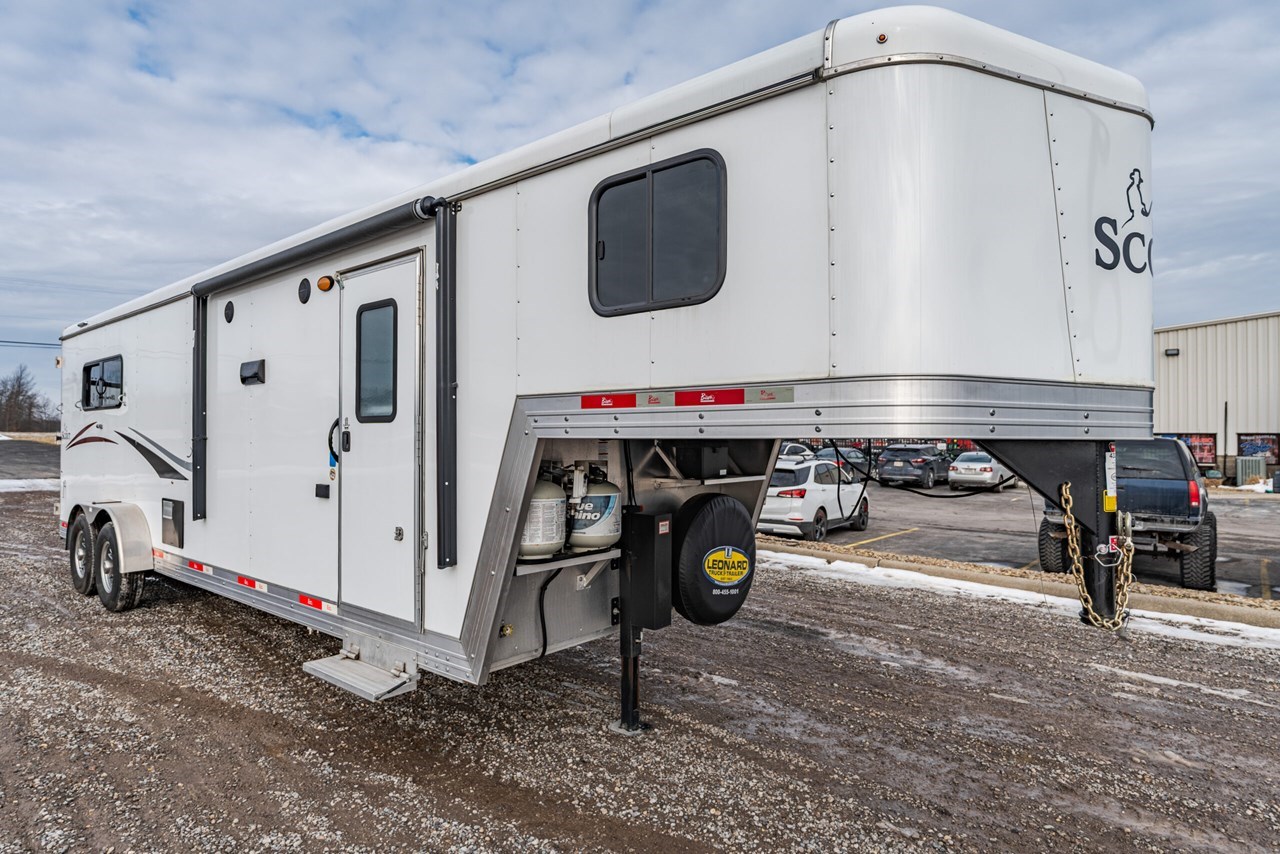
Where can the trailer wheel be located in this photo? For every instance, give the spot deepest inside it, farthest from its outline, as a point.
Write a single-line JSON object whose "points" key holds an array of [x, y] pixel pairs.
{"points": [[118, 591], [1053, 552], [80, 551], [714, 558], [1197, 567]]}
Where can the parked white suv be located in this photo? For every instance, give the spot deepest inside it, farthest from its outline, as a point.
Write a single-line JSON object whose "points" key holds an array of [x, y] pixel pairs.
{"points": [[805, 499]]}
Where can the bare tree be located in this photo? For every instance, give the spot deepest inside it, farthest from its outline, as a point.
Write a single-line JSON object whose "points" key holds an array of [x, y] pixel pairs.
{"points": [[22, 407]]}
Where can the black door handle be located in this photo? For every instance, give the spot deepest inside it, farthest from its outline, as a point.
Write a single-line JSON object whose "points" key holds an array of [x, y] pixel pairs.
{"points": [[332, 427], [346, 441]]}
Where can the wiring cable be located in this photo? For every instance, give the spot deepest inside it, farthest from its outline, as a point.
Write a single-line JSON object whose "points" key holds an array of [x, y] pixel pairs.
{"points": [[542, 611]]}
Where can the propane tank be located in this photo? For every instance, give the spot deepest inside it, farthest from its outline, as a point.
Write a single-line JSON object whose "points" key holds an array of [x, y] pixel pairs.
{"points": [[595, 521], [544, 526]]}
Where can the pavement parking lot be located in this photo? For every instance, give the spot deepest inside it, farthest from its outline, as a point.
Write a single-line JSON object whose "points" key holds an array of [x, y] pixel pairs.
{"points": [[1000, 529], [23, 460]]}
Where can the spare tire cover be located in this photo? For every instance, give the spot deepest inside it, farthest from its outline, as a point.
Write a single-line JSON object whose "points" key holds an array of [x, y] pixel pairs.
{"points": [[715, 558]]}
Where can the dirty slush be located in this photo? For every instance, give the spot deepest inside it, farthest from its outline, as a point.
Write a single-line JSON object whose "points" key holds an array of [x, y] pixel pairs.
{"points": [[828, 716]]}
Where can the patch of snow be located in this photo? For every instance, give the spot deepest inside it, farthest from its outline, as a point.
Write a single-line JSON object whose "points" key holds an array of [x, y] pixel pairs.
{"points": [[1229, 693], [1264, 487], [31, 485], [3, 438], [1170, 625]]}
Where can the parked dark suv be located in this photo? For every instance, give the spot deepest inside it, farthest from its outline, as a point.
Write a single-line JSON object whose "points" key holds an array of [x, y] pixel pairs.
{"points": [[922, 464], [1160, 484]]}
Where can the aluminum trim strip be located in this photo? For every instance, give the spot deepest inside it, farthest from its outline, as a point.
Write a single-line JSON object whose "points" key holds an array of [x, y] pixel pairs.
{"points": [[984, 68], [433, 653]]}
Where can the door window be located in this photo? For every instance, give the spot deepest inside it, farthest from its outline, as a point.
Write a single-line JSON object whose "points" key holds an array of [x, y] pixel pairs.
{"points": [[376, 361]]}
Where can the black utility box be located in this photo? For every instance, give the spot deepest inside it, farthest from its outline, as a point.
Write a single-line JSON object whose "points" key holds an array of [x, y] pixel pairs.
{"points": [[646, 549], [703, 462]]}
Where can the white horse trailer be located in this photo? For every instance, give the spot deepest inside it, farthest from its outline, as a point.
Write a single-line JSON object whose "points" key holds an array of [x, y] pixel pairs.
{"points": [[375, 428]]}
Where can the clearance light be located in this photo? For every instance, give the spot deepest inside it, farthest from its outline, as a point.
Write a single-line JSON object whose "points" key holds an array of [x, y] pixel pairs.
{"points": [[325, 283]]}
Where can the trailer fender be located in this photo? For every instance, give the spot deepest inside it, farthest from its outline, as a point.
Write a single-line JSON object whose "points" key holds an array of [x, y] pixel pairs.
{"points": [[133, 534]]}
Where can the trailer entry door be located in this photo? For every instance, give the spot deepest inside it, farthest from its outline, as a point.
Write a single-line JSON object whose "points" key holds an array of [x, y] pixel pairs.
{"points": [[379, 453]]}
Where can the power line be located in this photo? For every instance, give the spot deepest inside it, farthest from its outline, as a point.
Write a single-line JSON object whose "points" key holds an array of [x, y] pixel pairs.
{"points": [[37, 344]]}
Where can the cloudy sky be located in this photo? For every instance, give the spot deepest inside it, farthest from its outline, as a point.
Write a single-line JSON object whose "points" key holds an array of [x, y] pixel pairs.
{"points": [[143, 142]]}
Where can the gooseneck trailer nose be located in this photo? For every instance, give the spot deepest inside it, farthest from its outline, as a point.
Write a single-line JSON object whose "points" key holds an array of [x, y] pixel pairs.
{"points": [[537, 402]]}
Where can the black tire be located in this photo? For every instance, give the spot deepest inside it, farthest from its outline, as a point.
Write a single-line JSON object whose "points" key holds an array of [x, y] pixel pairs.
{"points": [[80, 554], [818, 532], [858, 522], [1054, 556], [705, 527], [1197, 567], [928, 479], [118, 591]]}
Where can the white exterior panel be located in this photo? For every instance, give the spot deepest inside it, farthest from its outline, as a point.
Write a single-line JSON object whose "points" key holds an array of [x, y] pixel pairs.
{"points": [[562, 343], [1102, 165], [487, 370], [767, 321], [944, 244]]}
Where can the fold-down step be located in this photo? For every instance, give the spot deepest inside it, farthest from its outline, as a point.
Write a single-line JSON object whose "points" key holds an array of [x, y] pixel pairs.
{"points": [[361, 679]]}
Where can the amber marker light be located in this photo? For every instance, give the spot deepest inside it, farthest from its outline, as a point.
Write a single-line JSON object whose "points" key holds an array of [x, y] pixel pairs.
{"points": [[325, 283]]}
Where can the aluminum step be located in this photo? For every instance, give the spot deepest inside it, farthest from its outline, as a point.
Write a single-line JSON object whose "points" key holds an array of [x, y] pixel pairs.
{"points": [[362, 679]]}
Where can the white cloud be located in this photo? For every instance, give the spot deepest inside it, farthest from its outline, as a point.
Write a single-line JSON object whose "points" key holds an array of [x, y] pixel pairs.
{"points": [[144, 142]]}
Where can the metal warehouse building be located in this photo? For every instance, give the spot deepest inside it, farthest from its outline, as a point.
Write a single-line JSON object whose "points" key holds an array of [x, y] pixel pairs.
{"points": [[1218, 389]]}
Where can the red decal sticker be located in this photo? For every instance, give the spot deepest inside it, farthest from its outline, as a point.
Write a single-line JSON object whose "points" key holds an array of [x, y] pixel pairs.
{"points": [[157, 553], [712, 397], [310, 601], [608, 401], [247, 582], [193, 565]]}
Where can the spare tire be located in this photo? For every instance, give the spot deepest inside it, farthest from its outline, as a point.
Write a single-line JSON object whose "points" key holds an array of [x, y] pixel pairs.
{"points": [[715, 558]]}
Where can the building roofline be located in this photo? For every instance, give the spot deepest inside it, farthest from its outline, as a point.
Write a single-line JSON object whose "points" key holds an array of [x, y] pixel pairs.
{"points": [[1217, 322]]}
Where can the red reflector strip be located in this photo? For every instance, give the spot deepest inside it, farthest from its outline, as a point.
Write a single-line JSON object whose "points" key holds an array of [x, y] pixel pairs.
{"points": [[712, 397], [157, 553], [64, 524], [251, 584], [199, 567], [608, 401], [318, 604]]}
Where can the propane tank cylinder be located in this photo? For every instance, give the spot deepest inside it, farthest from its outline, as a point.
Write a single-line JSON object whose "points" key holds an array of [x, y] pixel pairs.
{"points": [[544, 526], [595, 522]]}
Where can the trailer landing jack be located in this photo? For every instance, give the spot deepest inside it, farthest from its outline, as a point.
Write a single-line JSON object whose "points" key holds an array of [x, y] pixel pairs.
{"points": [[644, 602], [1089, 467]]}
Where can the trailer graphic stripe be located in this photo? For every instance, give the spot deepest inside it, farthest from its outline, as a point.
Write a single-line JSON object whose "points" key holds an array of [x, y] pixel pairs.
{"points": [[199, 567], [252, 584], [157, 462]]}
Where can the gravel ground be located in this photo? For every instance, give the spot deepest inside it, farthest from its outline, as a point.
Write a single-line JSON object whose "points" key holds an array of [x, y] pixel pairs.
{"points": [[828, 716]]}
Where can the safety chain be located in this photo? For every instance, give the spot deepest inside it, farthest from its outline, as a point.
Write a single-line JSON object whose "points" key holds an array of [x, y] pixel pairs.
{"points": [[1123, 567]]}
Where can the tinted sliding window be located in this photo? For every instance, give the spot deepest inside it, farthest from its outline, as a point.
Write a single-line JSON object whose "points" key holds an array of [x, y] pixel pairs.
{"points": [[102, 384], [376, 361], [658, 235]]}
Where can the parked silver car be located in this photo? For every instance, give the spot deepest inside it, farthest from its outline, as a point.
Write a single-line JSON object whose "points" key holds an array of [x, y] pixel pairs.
{"points": [[977, 468]]}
